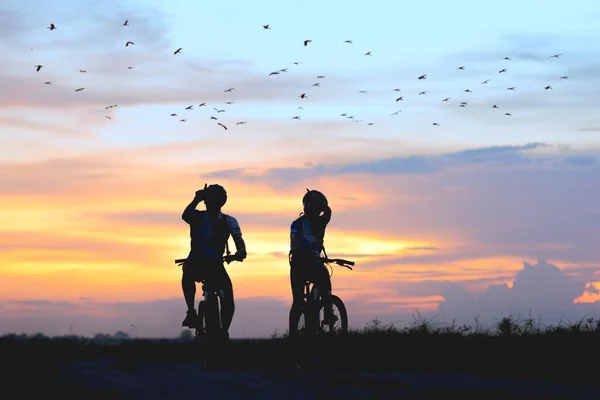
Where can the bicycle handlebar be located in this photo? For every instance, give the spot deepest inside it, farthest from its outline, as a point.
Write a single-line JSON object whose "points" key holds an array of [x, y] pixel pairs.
{"points": [[227, 259], [339, 261]]}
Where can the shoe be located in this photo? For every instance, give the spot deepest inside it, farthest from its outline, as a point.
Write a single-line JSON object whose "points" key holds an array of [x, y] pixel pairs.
{"points": [[330, 319], [191, 319]]}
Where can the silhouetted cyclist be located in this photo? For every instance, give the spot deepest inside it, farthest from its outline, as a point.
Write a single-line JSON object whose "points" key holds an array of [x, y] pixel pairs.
{"points": [[209, 232], [307, 234]]}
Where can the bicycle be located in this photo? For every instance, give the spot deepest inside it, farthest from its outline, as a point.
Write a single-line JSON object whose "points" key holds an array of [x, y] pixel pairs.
{"points": [[209, 316], [309, 319]]}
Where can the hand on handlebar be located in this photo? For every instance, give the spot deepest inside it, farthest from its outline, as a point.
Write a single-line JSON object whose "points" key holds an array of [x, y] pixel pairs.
{"points": [[233, 257]]}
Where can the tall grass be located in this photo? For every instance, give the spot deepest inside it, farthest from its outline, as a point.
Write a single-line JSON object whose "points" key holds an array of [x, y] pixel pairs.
{"points": [[512, 347]]}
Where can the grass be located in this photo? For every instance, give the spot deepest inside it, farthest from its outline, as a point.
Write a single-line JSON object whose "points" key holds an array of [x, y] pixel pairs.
{"points": [[513, 348]]}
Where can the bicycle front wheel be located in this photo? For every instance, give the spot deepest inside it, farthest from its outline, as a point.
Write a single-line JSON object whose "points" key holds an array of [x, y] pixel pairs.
{"points": [[339, 327]]}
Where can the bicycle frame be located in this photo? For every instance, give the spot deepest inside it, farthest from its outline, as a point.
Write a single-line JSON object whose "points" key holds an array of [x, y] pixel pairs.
{"points": [[311, 292]]}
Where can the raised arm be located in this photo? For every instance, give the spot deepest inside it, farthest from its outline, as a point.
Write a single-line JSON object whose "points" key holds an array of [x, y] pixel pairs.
{"points": [[188, 213]]}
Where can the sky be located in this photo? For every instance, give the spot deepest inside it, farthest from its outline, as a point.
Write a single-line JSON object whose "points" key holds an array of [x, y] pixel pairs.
{"points": [[481, 216]]}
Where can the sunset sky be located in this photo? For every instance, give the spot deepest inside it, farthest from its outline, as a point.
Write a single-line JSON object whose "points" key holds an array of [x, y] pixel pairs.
{"points": [[449, 220]]}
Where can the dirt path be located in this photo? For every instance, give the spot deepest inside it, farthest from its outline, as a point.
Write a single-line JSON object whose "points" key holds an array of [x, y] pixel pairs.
{"points": [[178, 380]]}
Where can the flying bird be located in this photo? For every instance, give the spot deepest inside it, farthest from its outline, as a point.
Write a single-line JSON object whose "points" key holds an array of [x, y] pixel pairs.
{"points": [[303, 96], [485, 82], [182, 120], [401, 98], [368, 53], [422, 93], [297, 63], [38, 67], [423, 77], [317, 84], [461, 68], [229, 90], [224, 127], [436, 124], [306, 42], [495, 106], [283, 70], [502, 70], [348, 41], [218, 111], [506, 58], [274, 73], [396, 90], [178, 51], [362, 91], [128, 43], [215, 118], [321, 77], [509, 114], [79, 90], [51, 27], [126, 22], [446, 99], [371, 123], [229, 102], [241, 122], [296, 117], [511, 88], [564, 77], [556, 55], [190, 107], [202, 105], [266, 26], [83, 71], [468, 91], [173, 115], [108, 117], [396, 113], [548, 87], [48, 83]]}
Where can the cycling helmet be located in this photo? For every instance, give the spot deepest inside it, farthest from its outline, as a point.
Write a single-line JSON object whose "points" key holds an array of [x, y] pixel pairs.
{"points": [[216, 195], [314, 197]]}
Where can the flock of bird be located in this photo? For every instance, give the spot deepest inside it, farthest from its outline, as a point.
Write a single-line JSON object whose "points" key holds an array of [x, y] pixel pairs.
{"points": [[303, 95]]}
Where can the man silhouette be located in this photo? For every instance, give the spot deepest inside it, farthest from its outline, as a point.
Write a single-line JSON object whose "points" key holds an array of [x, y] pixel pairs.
{"points": [[209, 232]]}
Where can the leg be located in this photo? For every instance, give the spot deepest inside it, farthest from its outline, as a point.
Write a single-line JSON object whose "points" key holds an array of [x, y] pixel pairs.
{"points": [[221, 283], [323, 283], [227, 301], [297, 283], [188, 285]]}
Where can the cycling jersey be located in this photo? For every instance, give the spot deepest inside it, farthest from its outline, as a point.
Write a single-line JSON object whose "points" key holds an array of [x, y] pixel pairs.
{"points": [[309, 239], [209, 238]]}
